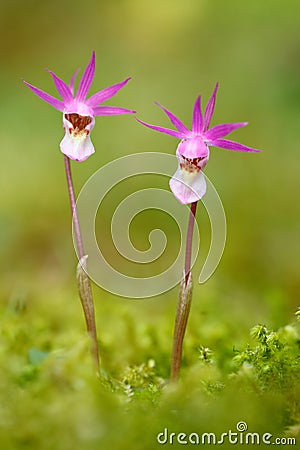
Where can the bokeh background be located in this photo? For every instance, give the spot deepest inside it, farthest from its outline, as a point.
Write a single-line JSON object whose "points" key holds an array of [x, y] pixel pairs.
{"points": [[173, 50]]}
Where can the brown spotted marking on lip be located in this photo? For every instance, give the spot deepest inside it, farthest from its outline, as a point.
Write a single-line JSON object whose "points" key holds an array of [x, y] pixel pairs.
{"points": [[79, 123], [191, 164]]}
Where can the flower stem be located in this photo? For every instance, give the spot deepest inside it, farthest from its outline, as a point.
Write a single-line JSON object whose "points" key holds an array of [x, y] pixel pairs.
{"points": [[84, 285], [189, 242], [184, 300]]}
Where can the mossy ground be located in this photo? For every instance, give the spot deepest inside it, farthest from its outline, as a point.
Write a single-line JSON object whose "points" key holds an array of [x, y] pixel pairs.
{"points": [[51, 397]]}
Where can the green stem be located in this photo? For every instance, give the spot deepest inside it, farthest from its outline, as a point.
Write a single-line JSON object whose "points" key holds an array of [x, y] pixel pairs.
{"points": [[84, 285], [189, 242], [184, 300]]}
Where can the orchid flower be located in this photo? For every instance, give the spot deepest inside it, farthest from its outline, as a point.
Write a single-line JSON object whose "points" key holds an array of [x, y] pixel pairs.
{"points": [[188, 183], [79, 112]]}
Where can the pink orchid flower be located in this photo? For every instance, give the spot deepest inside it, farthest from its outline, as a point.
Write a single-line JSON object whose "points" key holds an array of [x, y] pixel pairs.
{"points": [[79, 112], [188, 183]]}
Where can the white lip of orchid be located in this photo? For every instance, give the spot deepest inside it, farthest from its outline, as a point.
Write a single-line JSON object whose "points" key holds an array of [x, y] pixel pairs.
{"points": [[188, 186], [188, 183], [76, 143]]}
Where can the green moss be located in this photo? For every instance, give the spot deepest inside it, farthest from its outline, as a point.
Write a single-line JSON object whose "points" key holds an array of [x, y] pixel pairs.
{"points": [[52, 398]]}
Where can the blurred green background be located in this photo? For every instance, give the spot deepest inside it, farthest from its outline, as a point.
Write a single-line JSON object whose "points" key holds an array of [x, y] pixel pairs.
{"points": [[173, 50]]}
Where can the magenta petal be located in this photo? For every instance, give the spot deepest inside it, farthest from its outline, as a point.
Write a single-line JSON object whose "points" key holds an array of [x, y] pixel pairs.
{"points": [[197, 126], [72, 81], [231, 145], [86, 80], [111, 111], [222, 130], [193, 148], [209, 110], [57, 104], [63, 89], [175, 121], [106, 93], [173, 133]]}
